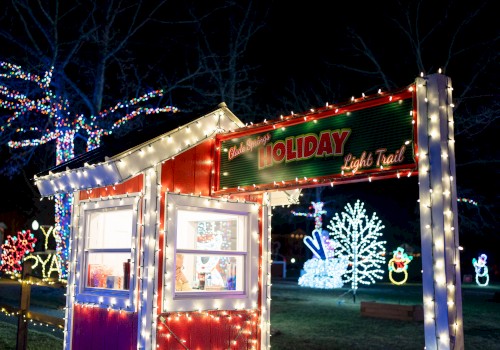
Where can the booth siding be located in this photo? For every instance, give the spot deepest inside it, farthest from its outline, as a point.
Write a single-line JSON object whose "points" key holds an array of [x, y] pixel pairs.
{"points": [[130, 210], [96, 327]]}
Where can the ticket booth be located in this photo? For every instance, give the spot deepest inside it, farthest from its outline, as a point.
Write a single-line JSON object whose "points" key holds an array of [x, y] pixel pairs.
{"points": [[170, 238]]}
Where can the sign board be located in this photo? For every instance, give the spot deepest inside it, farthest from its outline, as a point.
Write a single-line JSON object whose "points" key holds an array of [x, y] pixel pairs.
{"points": [[359, 140]]}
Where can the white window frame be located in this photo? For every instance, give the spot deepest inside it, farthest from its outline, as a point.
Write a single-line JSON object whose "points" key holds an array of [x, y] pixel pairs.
{"points": [[106, 298], [210, 300]]}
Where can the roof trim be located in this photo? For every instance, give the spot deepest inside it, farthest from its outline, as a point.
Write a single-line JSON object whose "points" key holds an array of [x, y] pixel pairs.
{"points": [[138, 159]]}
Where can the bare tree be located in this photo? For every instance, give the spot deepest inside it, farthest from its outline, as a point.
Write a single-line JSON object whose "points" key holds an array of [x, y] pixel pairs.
{"points": [[431, 38]]}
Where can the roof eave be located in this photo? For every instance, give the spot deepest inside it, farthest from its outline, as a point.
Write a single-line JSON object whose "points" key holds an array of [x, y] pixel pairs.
{"points": [[138, 159]]}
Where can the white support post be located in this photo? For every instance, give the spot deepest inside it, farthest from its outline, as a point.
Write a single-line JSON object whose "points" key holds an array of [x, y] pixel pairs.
{"points": [[265, 275], [442, 296], [146, 336], [72, 271]]}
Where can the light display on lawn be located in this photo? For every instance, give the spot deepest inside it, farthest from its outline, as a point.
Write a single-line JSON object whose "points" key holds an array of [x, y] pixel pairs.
{"points": [[13, 251], [357, 236], [67, 125], [323, 270], [318, 211], [399, 264], [482, 276], [49, 262]]}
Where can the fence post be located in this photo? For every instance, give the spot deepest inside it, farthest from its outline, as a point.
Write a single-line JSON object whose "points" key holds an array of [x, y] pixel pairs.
{"points": [[22, 321]]}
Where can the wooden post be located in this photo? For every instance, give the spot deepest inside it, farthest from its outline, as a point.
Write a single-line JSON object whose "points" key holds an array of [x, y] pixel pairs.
{"points": [[22, 321]]}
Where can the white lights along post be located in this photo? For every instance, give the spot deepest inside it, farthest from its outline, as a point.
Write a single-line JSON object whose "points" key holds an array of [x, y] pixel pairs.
{"points": [[442, 297], [357, 236]]}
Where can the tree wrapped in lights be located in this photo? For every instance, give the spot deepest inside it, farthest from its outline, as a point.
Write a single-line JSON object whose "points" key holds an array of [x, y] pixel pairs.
{"points": [[14, 249], [38, 116], [357, 236]]}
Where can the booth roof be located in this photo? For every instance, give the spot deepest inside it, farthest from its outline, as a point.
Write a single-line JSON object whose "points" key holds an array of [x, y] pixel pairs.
{"points": [[112, 145], [118, 159]]}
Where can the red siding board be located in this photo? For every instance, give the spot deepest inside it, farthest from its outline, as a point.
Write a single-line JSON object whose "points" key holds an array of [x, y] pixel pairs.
{"points": [[81, 333], [184, 168], [220, 330], [167, 179], [203, 168], [133, 185], [190, 171], [201, 333], [95, 328]]}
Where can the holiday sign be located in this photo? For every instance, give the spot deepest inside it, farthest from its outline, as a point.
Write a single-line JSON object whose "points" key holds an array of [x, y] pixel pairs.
{"points": [[336, 143]]}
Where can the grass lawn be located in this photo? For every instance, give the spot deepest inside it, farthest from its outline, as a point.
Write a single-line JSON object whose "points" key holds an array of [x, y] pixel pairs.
{"points": [[318, 319], [36, 340], [305, 318]]}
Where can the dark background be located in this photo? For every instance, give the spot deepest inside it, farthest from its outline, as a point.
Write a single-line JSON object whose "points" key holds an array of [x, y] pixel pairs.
{"points": [[298, 56]]}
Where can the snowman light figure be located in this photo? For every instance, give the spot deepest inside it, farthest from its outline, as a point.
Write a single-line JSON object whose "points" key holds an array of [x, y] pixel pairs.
{"points": [[481, 270], [399, 264]]}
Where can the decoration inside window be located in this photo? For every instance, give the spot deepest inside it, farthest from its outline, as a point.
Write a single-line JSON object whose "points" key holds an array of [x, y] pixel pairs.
{"points": [[211, 251], [108, 244], [211, 254]]}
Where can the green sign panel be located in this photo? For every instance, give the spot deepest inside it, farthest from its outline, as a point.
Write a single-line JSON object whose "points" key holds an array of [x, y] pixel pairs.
{"points": [[355, 142]]}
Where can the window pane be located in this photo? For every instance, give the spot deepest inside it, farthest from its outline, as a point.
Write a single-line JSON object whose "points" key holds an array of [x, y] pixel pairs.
{"points": [[196, 272], [108, 270], [109, 228], [204, 230]]}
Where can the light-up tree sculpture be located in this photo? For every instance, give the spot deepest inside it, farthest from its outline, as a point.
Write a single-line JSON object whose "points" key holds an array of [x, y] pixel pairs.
{"points": [[42, 116], [357, 236]]}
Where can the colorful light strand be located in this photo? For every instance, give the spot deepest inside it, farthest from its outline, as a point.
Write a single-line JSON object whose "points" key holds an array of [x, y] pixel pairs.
{"points": [[467, 200], [14, 249], [51, 106]]}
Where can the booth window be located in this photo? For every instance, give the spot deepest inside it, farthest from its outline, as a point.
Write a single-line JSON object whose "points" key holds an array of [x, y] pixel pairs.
{"points": [[215, 254], [109, 232]]}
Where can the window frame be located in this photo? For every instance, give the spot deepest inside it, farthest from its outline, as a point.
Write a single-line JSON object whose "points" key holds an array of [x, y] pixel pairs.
{"points": [[104, 297], [247, 297]]}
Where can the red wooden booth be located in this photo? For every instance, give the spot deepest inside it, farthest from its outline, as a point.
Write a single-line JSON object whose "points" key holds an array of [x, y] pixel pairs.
{"points": [[170, 238]]}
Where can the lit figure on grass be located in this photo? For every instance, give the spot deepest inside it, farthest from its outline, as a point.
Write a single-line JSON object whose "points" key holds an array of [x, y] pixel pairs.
{"points": [[399, 264], [46, 262], [481, 270], [323, 270], [356, 235], [14, 250]]}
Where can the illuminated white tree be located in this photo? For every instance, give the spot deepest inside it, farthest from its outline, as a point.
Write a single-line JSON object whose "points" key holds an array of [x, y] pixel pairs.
{"points": [[357, 236]]}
